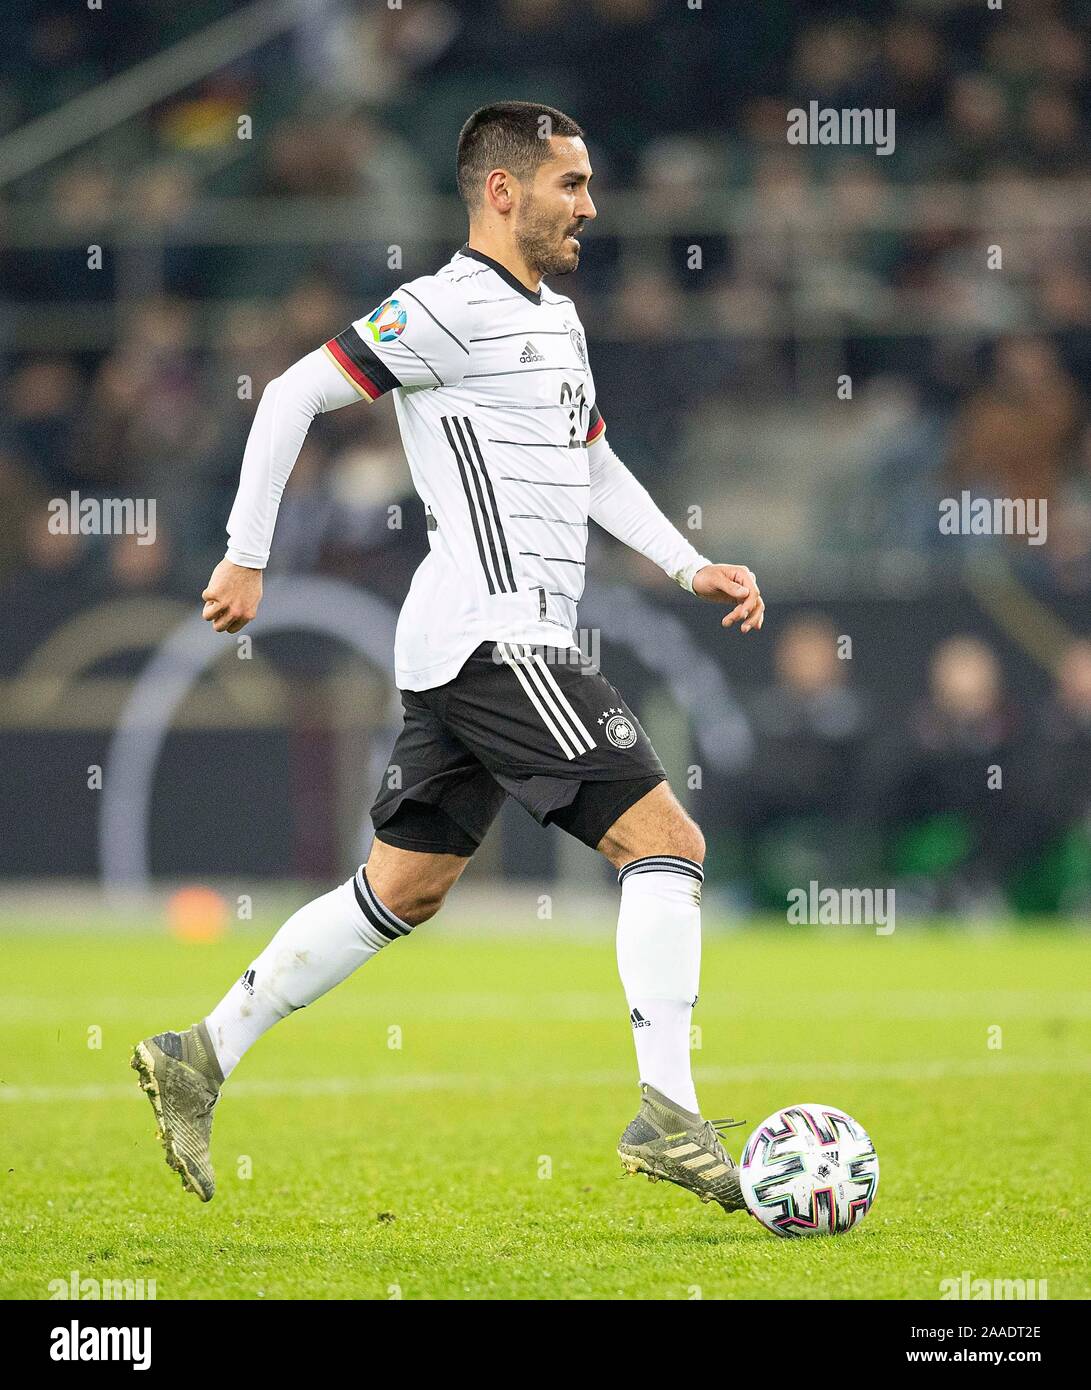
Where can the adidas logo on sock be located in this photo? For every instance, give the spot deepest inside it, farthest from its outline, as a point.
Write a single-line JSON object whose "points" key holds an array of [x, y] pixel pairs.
{"points": [[637, 1019], [531, 354], [248, 981]]}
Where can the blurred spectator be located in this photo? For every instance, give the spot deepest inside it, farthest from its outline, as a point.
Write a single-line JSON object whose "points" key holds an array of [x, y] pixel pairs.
{"points": [[946, 785], [976, 122], [1055, 774], [798, 802], [42, 403], [1014, 436]]}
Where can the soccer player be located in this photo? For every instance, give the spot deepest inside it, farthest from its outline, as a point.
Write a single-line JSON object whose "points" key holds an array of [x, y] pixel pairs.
{"points": [[496, 404]]}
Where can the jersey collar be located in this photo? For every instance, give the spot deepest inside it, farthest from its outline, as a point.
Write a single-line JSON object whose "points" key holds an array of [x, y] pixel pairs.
{"points": [[535, 296]]}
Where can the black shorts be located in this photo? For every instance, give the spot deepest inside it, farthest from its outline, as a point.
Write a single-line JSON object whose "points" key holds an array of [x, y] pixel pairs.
{"points": [[537, 723]]}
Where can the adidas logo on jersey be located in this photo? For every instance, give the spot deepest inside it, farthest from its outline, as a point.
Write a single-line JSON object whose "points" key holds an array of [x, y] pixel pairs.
{"points": [[531, 354], [637, 1019]]}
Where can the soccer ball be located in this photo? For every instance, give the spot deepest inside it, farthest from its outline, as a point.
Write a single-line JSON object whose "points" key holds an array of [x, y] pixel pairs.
{"points": [[809, 1170]]}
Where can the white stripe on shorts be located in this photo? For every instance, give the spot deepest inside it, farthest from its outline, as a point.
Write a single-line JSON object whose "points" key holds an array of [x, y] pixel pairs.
{"points": [[551, 681], [570, 742]]}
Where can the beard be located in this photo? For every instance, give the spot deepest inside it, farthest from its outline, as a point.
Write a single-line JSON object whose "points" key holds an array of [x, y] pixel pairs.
{"points": [[542, 243]]}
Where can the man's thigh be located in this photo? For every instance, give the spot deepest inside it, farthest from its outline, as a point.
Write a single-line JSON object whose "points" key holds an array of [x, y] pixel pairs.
{"points": [[436, 797]]}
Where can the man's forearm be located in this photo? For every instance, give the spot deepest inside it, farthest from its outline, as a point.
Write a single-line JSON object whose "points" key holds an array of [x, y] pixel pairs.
{"points": [[284, 414], [624, 507]]}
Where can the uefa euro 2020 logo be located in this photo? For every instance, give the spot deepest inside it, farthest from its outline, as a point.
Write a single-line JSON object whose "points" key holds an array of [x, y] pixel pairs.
{"points": [[387, 322]]}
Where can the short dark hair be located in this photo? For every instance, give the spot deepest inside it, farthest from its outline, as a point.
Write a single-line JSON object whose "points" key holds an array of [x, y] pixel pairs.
{"points": [[512, 135]]}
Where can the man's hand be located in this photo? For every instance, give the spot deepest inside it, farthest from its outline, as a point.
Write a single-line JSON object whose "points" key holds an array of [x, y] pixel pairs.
{"points": [[232, 597], [733, 584]]}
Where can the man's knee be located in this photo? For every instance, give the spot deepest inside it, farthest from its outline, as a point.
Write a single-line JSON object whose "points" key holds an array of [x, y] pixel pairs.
{"points": [[414, 903], [694, 842], [684, 838], [413, 886], [422, 903]]}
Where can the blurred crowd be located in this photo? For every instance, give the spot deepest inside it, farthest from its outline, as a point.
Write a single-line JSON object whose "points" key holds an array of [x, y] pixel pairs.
{"points": [[819, 266], [965, 372], [978, 804]]}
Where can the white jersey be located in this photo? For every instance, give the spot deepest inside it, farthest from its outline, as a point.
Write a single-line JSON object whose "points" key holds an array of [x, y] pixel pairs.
{"points": [[496, 405]]}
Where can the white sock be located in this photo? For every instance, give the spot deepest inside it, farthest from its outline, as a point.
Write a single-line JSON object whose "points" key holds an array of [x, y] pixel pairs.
{"points": [[315, 949], [659, 961]]}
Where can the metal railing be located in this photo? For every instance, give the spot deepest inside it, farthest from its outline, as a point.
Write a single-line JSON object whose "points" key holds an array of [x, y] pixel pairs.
{"points": [[111, 103]]}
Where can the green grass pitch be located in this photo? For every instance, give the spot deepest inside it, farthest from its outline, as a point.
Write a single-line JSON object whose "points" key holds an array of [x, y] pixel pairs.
{"points": [[476, 1160]]}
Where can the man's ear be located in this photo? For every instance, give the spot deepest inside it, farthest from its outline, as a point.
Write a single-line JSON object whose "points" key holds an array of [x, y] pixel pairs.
{"points": [[499, 193]]}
